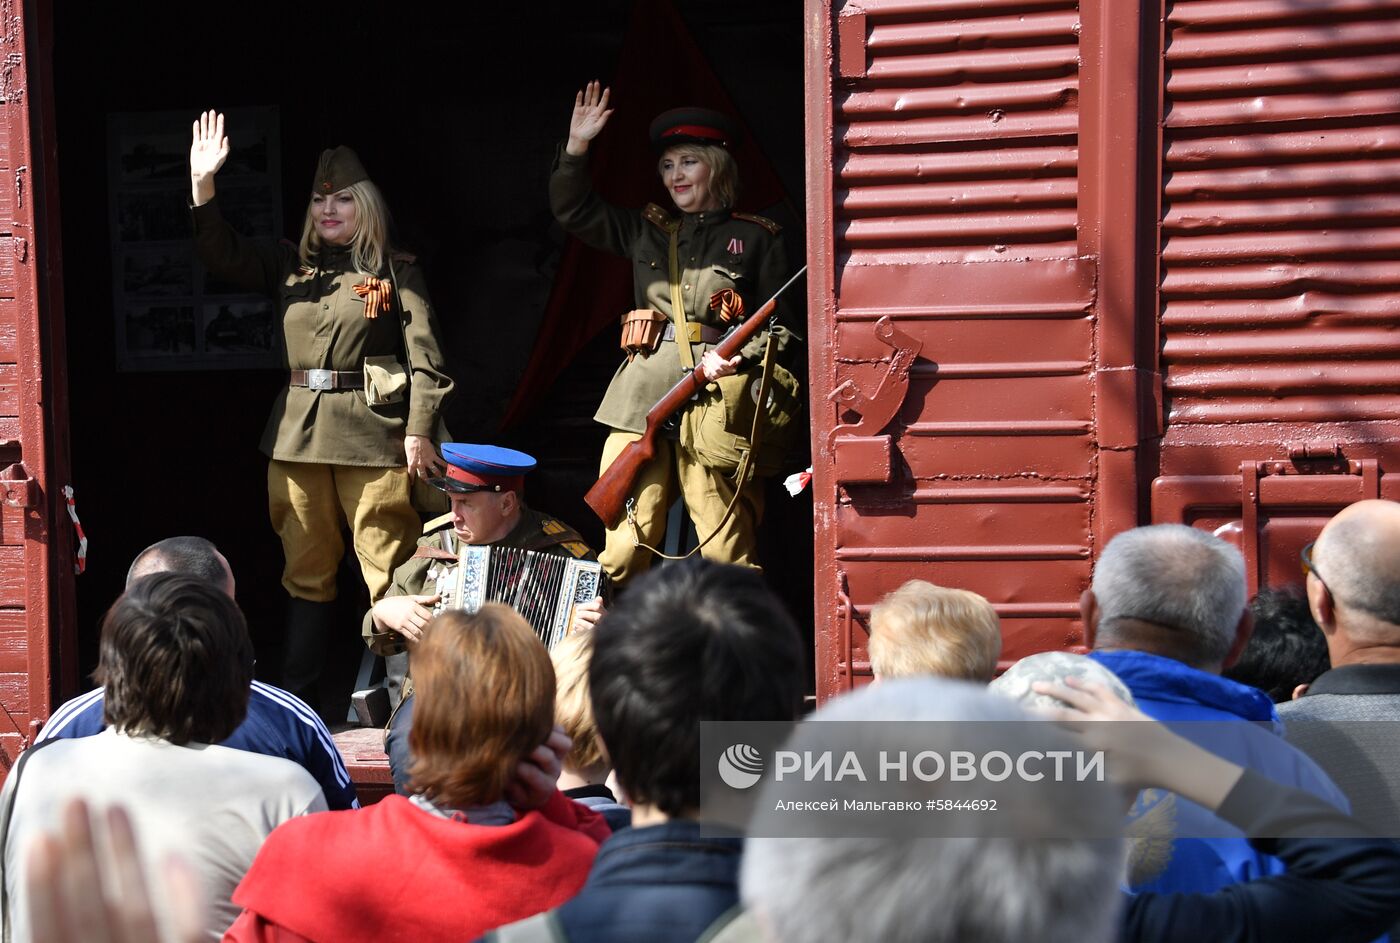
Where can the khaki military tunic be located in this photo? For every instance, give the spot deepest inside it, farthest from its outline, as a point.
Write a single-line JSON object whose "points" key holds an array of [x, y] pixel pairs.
{"points": [[536, 531], [324, 327], [717, 250]]}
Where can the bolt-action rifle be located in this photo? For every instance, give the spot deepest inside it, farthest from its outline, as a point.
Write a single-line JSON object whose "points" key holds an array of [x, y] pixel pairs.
{"points": [[608, 496]]}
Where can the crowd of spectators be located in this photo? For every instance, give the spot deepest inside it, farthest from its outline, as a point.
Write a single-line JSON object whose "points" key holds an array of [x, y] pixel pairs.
{"points": [[1250, 795]]}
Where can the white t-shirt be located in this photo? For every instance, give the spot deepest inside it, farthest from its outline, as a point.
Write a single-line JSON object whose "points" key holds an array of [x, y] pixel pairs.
{"points": [[211, 805]]}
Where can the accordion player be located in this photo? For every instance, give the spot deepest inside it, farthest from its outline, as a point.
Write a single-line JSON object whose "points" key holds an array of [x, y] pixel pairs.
{"points": [[493, 548], [545, 588]]}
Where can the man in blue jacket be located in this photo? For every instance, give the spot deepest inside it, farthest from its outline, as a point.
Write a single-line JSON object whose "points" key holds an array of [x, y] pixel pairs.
{"points": [[1166, 613], [278, 722]]}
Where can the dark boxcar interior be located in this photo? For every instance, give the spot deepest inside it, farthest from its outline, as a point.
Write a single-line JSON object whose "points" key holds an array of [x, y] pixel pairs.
{"points": [[456, 109]]}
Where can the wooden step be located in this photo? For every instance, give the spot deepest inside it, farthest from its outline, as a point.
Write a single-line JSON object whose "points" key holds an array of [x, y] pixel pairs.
{"points": [[362, 748]]}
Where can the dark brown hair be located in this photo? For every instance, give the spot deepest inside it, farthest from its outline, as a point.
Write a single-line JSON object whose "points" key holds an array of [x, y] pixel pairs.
{"points": [[485, 700], [687, 643], [175, 660]]}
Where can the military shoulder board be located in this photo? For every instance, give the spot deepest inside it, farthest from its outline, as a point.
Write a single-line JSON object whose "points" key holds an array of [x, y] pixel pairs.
{"points": [[658, 217], [757, 220]]}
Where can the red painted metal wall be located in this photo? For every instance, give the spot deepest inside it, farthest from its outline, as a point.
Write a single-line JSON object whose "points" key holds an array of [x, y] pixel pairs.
{"points": [[1280, 286], [1081, 265], [35, 591]]}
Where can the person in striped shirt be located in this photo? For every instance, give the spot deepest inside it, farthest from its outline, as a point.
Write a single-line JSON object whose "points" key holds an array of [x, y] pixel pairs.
{"points": [[278, 722]]}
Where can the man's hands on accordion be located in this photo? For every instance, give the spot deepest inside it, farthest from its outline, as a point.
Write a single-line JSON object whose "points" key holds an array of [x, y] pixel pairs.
{"points": [[405, 615], [587, 614]]}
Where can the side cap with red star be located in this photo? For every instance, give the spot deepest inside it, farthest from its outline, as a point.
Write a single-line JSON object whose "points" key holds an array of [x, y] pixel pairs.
{"points": [[338, 168]]}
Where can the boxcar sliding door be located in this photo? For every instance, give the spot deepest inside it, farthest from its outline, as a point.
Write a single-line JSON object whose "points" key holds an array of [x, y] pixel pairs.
{"points": [[1279, 285], [976, 397]]}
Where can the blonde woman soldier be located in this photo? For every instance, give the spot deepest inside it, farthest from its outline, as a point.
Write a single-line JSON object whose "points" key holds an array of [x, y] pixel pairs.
{"points": [[721, 265], [365, 385]]}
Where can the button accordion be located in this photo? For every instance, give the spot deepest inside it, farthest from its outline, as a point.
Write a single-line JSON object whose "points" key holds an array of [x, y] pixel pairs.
{"points": [[543, 587]]}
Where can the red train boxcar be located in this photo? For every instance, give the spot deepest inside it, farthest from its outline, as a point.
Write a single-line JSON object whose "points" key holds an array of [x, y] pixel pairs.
{"points": [[1078, 266], [1075, 265]]}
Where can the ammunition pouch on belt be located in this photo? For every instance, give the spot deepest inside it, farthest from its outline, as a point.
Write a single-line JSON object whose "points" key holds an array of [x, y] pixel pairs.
{"points": [[641, 331]]}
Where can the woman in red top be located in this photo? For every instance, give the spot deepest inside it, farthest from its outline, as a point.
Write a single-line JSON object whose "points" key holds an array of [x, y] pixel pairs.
{"points": [[485, 840]]}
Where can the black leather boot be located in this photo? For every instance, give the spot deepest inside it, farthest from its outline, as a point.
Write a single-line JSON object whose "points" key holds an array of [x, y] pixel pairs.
{"points": [[304, 647]]}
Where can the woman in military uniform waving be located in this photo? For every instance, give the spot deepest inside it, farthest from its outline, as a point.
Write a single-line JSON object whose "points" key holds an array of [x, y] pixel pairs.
{"points": [[696, 271], [366, 384]]}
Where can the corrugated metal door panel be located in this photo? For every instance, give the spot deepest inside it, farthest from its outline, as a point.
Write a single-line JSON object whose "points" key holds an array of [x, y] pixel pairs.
{"points": [[946, 219], [958, 139], [1280, 227], [983, 399]]}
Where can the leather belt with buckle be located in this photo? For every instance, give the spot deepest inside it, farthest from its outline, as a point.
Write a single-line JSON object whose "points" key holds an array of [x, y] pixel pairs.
{"points": [[698, 333], [328, 379]]}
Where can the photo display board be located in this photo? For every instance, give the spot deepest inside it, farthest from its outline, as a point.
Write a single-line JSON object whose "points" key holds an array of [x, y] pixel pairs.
{"points": [[170, 313]]}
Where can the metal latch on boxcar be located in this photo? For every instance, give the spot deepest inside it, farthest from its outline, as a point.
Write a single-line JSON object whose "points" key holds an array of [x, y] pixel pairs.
{"points": [[17, 488], [858, 453]]}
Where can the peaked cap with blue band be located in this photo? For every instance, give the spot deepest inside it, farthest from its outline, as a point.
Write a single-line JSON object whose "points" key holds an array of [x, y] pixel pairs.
{"points": [[473, 468]]}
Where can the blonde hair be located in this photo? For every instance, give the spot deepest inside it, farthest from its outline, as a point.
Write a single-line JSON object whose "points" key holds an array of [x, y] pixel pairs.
{"points": [[923, 629], [724, 172], [370, 245], [573, 706]]}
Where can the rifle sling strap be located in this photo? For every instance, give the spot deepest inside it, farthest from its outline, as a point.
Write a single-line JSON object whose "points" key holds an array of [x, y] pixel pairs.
{"points": [[741, 478], [677, 300]]}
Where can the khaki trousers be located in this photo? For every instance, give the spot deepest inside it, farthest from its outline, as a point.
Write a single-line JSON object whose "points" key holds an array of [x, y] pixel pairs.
{"points": [[308, 504], [707, 494]]}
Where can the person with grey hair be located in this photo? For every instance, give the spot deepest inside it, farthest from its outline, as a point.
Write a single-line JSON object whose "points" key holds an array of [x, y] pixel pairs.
{"points": [[1172, 589], [1353, 586], [1166, 612], [278, 722], [977, 884], [1042, 881]]}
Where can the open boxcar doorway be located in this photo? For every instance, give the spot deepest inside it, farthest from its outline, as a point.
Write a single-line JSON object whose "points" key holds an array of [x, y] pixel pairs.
{"points": [[456, 110]]}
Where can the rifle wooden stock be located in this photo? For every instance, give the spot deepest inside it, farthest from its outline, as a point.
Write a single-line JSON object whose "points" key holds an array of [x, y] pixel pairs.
{"points": [[608, 496]]}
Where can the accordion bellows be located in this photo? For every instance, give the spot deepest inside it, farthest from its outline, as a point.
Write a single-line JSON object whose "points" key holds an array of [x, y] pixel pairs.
{"points": [[543, 587]]}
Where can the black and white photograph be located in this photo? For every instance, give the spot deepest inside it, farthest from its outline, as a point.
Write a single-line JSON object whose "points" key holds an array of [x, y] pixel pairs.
{"points": [[171, 313], [159, 330], [158, 272], [244, 327]]}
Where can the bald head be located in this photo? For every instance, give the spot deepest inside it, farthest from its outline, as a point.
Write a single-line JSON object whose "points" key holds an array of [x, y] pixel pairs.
{"points": [[1358, 557], [187, 556]]}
